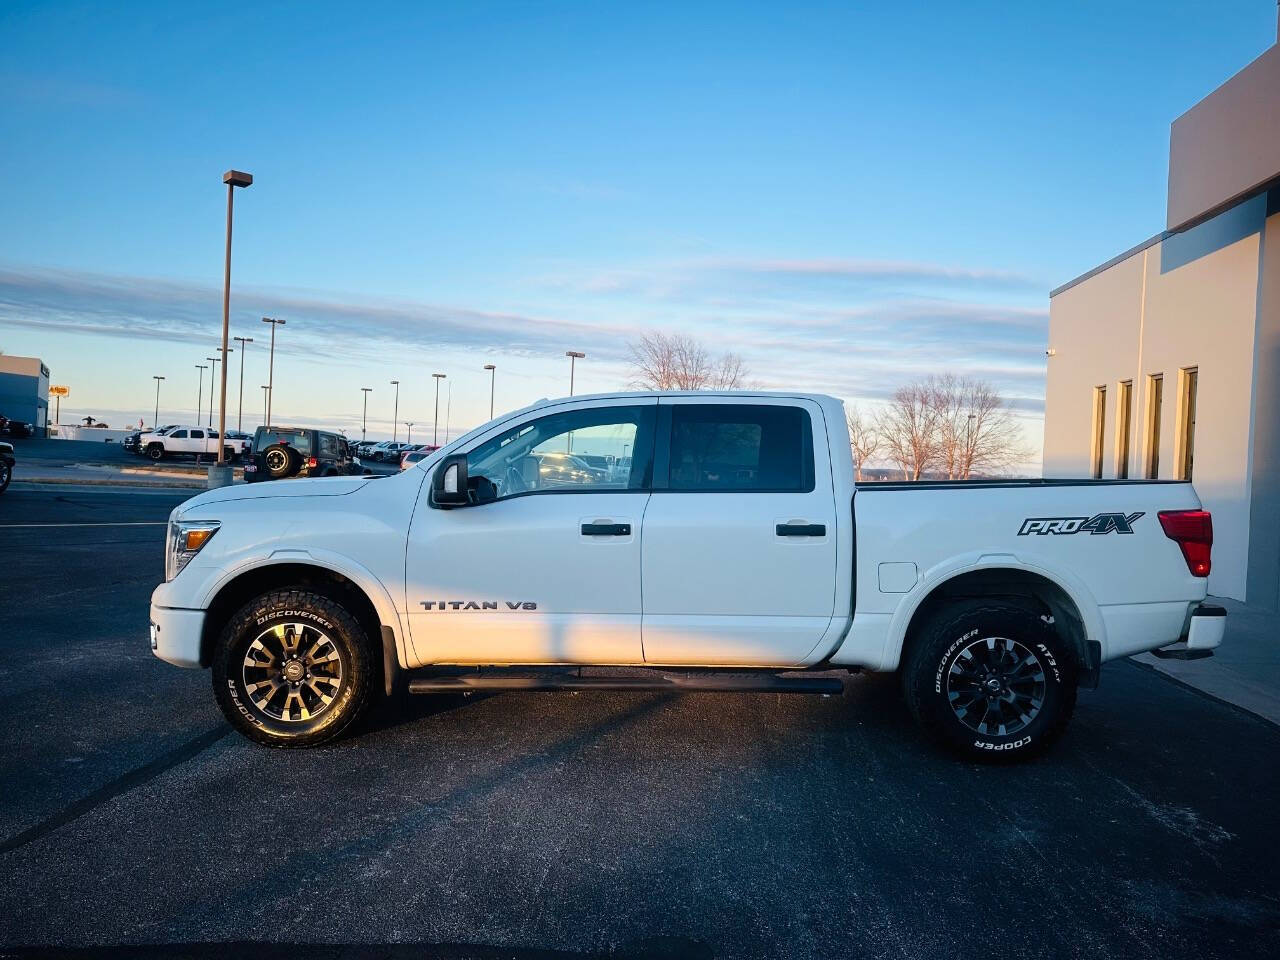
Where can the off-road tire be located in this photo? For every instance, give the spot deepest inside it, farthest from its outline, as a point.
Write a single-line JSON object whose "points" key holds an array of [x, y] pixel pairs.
{"points": [[281, 461], [931, 685], [280, 608], [156, 452]]}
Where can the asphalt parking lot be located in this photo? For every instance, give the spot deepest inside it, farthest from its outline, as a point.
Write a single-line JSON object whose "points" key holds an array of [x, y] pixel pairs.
{"points": [[610, 824]]}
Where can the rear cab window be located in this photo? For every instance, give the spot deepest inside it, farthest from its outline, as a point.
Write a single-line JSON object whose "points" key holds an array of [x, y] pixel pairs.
{"points": [[300, 440], [740, 448]]}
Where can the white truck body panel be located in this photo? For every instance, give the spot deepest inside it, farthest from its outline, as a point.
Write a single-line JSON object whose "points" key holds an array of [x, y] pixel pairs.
{"points": [[700, 578]]}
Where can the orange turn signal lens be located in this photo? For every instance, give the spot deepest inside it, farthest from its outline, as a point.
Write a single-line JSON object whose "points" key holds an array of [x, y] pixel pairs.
{"points": [[195, 539]]}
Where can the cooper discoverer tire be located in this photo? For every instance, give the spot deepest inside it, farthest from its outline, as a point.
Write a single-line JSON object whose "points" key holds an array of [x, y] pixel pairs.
{"points": [[992, 680], [292, 668]]}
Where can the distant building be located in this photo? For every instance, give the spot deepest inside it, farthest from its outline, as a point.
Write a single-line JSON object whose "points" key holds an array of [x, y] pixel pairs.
{"points": [[24, 391], [1165, 361]]}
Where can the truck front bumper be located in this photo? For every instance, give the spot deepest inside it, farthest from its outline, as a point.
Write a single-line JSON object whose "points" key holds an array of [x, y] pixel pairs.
{"points": [[1205, 627], [175, 635]]}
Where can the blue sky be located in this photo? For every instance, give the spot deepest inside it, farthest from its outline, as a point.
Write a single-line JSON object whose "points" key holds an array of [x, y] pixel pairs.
{"points": [[848, 195]]}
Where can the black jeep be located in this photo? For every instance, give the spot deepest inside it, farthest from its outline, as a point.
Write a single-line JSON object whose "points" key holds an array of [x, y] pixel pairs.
{"points": [[282, 452]]}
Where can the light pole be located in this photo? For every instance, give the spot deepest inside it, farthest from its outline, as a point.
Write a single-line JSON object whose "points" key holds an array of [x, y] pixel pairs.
{"points": [[366, 391], [968, 448], [435, 422], [202, 367], [409, 424], [492, 376], [211, 377], [233, 179], [266, 392], [240, 413], [271, 366], [573, 356], [155, 424], [395, 417]]}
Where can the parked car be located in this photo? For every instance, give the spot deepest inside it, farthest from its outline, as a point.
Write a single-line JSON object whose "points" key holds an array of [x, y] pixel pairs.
{"points": [[130, 443], [7, 462], [16, 428], [419, 451], [386, 450], [764, 566], [199, 442], [279, 453]]}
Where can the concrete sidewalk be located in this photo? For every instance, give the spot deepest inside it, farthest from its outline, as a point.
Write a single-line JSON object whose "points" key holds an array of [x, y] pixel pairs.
{"points": [[97, 474], [1244, 671]]}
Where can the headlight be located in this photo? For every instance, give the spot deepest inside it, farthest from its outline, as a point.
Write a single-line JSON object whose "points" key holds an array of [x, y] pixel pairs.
{"points": [[185, 539]]}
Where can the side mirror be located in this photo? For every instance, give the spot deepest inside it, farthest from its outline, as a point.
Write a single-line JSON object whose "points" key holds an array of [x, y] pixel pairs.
{"points": [[449, 484]]}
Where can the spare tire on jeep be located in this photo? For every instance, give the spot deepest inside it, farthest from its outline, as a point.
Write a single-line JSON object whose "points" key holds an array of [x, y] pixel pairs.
{"points": [[281, 461]]}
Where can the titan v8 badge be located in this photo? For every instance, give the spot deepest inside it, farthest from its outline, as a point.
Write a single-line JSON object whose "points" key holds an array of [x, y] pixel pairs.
{"points": [[1099, 523], [476, 605]]}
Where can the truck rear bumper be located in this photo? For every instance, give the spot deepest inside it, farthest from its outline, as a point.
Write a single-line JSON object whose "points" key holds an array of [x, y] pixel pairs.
{"points": [[1205, 627]]}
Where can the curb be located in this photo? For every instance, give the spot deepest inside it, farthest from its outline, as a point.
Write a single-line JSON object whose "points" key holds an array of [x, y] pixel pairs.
{"points": [[175, 483]]}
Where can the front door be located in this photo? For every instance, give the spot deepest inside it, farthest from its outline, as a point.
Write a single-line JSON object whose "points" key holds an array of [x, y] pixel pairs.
{"points": [[740, 535], [547, 568]]}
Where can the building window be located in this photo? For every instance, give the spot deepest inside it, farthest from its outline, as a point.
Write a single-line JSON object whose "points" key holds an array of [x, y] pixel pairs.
{"points": [[1188, 378], [1155, 396], [1124, 402], [1099, 430]]}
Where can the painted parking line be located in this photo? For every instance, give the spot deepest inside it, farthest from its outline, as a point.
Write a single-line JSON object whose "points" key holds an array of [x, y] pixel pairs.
{"points": [[120, 523]]}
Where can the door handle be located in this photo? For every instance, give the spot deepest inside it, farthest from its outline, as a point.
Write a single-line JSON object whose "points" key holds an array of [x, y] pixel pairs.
{"points": [[801, 529], [606, 529]]}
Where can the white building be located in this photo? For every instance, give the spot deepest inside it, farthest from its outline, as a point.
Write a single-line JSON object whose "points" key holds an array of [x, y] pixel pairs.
{"points": [[1165, 361]]}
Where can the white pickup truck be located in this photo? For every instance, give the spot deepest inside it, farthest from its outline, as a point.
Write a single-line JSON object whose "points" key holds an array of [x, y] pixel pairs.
{"points": [[194, 441], [725, 547]]}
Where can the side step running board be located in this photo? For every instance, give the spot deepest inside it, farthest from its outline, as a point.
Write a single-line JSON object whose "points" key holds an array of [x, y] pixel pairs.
{"points": [[1181, 653], [711, 683]]}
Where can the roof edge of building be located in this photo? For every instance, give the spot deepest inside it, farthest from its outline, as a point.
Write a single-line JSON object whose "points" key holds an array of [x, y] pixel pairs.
{"points": [[1118, 258]]}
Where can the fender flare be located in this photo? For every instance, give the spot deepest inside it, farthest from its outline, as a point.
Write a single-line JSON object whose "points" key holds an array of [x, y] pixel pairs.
{"points": [[357, 573], [896, 636]]}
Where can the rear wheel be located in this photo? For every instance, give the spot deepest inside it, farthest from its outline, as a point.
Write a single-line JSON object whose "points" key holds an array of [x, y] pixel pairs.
{"points": [[292, 669], [991, 680]]}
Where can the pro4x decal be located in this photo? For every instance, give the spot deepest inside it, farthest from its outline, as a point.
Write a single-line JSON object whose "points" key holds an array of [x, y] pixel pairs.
{"points": [[1098, 524]]}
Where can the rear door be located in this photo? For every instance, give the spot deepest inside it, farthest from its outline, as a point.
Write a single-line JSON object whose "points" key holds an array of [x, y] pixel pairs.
{"points": [[739, 557]]}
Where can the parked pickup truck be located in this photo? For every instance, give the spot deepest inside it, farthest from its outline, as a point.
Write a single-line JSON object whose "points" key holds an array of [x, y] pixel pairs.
{"points": [[734, 553], [189, 441]]}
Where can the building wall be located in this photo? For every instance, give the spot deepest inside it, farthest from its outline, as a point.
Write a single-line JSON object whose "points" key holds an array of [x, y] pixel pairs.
{"points": [[1187, 300], [24, 390], [1263, 586]]}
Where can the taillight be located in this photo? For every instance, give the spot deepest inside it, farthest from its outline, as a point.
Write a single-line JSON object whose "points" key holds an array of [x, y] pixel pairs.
{"points": [[311, 461], [1192, 530]]}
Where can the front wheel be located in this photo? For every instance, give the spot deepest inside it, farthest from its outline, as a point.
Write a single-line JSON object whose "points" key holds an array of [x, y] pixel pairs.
{"points": [[991, 680], [6, 474], [292, 669], [155, 452]]}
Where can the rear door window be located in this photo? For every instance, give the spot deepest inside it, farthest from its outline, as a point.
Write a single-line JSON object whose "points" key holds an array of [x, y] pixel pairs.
{"points": [[740, 447]]}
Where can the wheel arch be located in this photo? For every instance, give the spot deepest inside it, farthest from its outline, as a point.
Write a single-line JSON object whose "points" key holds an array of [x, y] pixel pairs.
{"points": [[368, 599], [1075, 613]]}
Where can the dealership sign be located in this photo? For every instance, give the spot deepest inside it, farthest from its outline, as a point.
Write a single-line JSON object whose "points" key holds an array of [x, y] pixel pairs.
{"points": [[59, 391]]}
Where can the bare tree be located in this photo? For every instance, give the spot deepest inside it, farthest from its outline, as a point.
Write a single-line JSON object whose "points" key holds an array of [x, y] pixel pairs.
{"points": [[908, 428], [976, 429], [864, 441], [674, 361]]}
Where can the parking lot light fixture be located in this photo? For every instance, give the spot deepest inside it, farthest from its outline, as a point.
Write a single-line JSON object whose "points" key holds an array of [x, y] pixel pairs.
{"points": [[365, 414], [395, 416], [435, 422], [409, 424], [240, 413], [202, 367], [271, 364], [155, 423], [492, 376], [573, 356], [233, 179]]}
